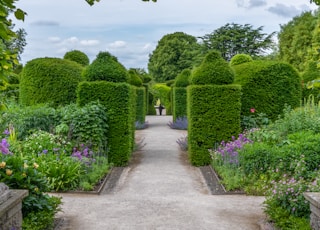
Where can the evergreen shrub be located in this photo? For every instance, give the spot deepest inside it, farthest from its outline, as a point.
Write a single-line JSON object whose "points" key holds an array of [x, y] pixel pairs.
{"points": [[179, 98], [183, 79], [134, 78], [240, 58], [106, 68], [213, 116], [268, 86], [119, 100], [214, 70], [49, 80], [140, 104], [77, 56]]}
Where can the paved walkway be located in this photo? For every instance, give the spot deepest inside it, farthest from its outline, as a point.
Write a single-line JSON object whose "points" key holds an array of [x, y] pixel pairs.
{"points": [[160, 190]]}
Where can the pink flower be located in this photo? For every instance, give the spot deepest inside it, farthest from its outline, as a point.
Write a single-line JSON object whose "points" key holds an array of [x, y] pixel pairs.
{"points": [[252, 110]]}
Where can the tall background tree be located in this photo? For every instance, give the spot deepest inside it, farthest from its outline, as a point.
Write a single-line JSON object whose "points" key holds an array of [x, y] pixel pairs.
{"points": [[296, 40], [232, 39], [174, 53]]}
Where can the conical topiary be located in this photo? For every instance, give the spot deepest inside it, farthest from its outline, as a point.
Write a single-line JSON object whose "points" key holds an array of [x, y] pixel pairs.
{"points": [[106, 68], [182, 80], [214, 70]]}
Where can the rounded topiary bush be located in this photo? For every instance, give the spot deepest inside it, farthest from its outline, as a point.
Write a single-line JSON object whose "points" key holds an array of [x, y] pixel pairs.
{"points": [[77, 56], [49, 80], [213, 70], [106, 68], [183, 79], [268, 86], [240, 58], [134, 78]]}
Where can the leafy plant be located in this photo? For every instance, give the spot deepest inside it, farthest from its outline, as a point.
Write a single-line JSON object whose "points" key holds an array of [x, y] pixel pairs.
{"points": [[183, 143], [180, 123]]}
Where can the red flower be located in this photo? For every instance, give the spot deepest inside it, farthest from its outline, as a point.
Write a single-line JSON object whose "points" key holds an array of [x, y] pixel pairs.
{"points": [[252, 110]]}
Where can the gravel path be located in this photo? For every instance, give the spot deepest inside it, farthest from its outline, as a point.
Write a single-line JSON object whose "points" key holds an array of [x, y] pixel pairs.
{"points": [[160, 190]]}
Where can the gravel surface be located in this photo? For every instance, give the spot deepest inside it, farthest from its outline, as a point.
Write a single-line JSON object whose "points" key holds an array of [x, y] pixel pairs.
{"points": [[160, 190]]}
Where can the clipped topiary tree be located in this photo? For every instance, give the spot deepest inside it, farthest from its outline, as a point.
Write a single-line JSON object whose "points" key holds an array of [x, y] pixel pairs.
{"points": [[49, 80], [179, 95], [134, 78], [213, 70], [77, 56], [213, 108], [107, 68], [268, 86], [240, 58]]}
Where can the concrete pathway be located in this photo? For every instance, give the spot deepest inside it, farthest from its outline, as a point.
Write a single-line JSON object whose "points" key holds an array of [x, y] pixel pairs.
{"points": [[160, 190]]}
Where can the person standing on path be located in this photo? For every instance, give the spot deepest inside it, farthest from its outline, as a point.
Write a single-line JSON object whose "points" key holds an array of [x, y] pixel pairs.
{"points": [[160, 109]]}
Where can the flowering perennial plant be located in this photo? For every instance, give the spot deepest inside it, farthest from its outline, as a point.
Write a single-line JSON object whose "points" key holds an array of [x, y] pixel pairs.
{"points": [[227, 152], [83, 154]]}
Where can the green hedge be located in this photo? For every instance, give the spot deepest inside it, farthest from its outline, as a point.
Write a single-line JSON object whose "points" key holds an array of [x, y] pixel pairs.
{"points": [[213, 116], [268, 86], [49, 80], [77, 56], [162, 92], [214, 70], [106, 68], [151, 104], [140, 104], [179, 101], [119, 99]]}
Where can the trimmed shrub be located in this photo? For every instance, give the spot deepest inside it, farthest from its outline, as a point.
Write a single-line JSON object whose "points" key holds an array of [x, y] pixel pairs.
{"points": [[49, 80], [140, 104], [267, 87], [77, 56], [213, 116], [106, 68], [179, 98], [183, 79], [119, 99], [214, 70], [151, 104], [134, 78], [240, 58]]}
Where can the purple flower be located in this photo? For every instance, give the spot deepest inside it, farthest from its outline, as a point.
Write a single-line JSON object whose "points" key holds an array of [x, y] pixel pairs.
{"points": [[45, 151], [6, 132], [4, 147]]}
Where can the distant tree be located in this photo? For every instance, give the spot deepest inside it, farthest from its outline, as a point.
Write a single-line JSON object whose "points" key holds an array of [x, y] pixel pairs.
{"points": [[232, 39], [174, 53], [317, 2], [17, 43], [295, 40]]}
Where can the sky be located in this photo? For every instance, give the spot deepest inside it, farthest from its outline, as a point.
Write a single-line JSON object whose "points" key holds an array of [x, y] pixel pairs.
{"points": [[131, 29]]}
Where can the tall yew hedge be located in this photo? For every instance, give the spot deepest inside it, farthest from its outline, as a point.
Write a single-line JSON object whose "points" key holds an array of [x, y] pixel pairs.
{"points": [[119, 99], [213, 107]]}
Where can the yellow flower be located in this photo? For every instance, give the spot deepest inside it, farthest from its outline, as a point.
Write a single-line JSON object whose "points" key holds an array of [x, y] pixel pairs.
{"points": [[25, 165], [35, 165], [24, 174], [36, 189], [9, 172], [2, 165]]}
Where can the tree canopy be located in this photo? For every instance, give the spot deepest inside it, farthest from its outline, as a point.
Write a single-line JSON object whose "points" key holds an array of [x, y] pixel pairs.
{"points": [[174, 53], [232, 39]]}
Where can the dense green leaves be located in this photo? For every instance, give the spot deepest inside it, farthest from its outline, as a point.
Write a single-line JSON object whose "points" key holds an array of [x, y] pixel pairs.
{"points": [[174, 53], [232, 39], [77, 56], [213, 70]]}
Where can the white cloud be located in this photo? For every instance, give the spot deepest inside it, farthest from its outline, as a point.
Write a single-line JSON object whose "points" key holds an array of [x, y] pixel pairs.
{"points": [[54, 39], [284, 10], [117, 44], [89, 42]]}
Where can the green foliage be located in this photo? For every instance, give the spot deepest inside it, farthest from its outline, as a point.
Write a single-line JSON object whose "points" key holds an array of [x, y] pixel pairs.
{"points": [[120, 101], [183, 78], [162, 92], [267, 87], [77, 56], [151, 103], [240, 58], [174, 53], [296, 40], [86, 124], [49, 80], [134, 78], [213, 116], [179, 101], [213, 70], [232, 39], [27, 119], [107, 68], [43, 219], [140, 104]]}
